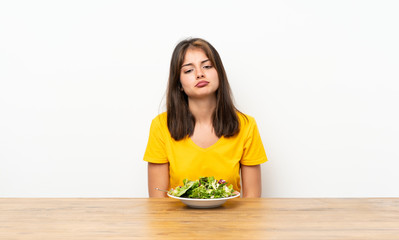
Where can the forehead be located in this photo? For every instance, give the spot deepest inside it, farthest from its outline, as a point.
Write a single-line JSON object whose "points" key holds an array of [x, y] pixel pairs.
{"points": [[194, 55]]}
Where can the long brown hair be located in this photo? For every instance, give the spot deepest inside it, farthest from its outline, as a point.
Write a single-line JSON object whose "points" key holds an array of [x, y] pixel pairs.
{"points": [[179, 118]]}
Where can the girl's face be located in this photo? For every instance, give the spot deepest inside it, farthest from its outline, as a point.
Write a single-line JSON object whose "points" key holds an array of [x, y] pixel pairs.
{"points": [[197, 75]]}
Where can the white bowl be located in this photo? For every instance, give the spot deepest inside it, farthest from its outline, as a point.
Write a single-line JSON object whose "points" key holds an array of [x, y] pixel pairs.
{"points": [[204, 203]]}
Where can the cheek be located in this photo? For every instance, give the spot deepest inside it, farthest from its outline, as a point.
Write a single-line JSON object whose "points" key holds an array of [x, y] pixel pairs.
{"points": [[216, 78], [182, 80], [185, 80], [214, 74], [218, 84]]}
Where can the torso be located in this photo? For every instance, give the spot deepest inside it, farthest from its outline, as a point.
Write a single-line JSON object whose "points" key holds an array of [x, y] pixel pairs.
{"points": [[204, 136], [204, 154]]}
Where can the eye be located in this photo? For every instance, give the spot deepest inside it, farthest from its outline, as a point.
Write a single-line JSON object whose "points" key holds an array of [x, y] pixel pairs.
{"points": [[208, 66], [188, 71]]}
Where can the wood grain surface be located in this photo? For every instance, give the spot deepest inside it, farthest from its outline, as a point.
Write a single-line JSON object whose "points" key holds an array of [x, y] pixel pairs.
{"points": [[135, 218]]}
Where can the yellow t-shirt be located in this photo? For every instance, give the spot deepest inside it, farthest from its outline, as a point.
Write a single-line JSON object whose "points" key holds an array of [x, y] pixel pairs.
{"points": [[221, 160]]}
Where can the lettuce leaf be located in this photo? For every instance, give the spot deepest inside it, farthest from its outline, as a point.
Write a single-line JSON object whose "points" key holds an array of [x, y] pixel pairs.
{"points": [[203, 188]]}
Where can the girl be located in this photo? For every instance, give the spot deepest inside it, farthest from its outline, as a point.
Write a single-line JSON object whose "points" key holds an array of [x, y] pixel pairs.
{"points": [[202, 134]]}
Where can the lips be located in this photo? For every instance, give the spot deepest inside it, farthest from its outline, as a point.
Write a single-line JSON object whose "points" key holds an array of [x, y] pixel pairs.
{"points": [[202, 84]]}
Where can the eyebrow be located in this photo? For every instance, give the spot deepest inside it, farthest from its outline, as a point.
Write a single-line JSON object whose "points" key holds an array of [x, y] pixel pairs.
{"points": [[188, 64]]}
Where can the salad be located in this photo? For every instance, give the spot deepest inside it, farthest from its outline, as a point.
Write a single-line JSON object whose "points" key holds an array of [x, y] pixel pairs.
{"points": [[204, 187]]}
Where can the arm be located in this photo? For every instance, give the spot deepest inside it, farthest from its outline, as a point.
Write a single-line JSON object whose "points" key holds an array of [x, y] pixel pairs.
{"points": [[158, 177], [251, 181]]}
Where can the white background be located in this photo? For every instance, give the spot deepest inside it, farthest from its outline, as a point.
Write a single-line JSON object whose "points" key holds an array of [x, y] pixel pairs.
{"points": [[80, 82]]}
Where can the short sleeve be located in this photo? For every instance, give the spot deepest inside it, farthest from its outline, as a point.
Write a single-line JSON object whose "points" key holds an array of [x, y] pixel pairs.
{"points": [[254, 152], [156, 150]]}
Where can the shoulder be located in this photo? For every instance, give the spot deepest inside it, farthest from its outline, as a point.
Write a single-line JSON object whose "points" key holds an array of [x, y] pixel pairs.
{"points": [[245, 120], [160, 121], [160, 117], [247, 124]]}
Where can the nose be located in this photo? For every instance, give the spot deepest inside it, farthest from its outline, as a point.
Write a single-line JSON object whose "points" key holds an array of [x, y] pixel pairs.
{"points": [[200, 74]]}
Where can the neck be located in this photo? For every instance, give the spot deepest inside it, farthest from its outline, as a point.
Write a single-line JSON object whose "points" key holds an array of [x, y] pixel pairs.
{"points": [[202, 109]]}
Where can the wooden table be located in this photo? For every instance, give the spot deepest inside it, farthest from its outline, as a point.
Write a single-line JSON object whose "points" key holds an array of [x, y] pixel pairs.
{"points": [[134, 218]]}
